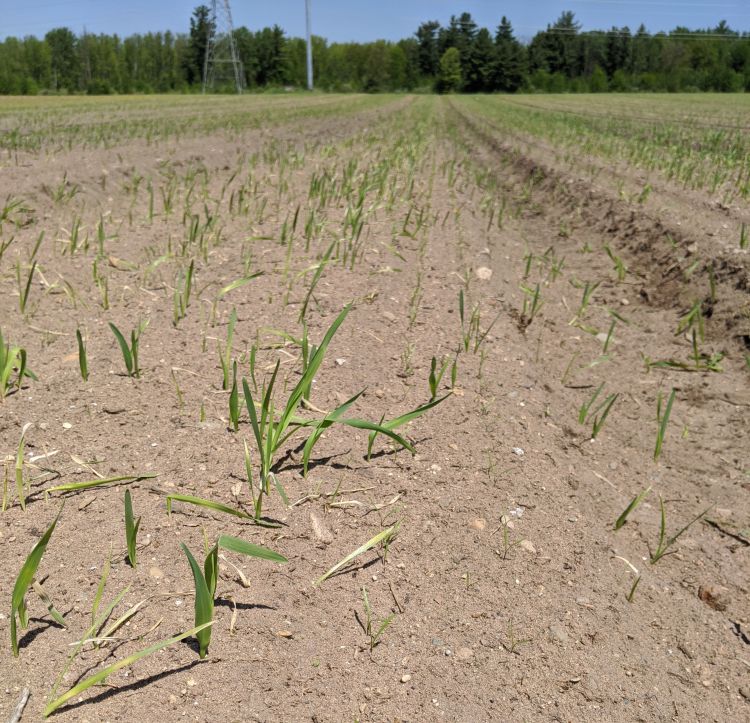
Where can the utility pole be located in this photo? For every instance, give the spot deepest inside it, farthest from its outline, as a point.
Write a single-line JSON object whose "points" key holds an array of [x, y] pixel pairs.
{"points": [[221, 50], [309, 46]]}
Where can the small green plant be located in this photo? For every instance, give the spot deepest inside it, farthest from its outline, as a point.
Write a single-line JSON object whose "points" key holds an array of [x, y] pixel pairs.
{"points": [[620, 268], [513, 643], [436, 375], [588, 291], [182, 291], [271, 431], [665, 542], [24, 288], [225, 355], [532, 304], [384, 538], [623, 518], [599, 413], [83, 363], [103, 674], [130, 353], [372, 629], [508, 544], [662, 420], [744, 242], [12, 362], [610, 334], [131, 530], [206, 580], [24, 581], [692, 320], [20, 485], [204, 597], [234, 403]]}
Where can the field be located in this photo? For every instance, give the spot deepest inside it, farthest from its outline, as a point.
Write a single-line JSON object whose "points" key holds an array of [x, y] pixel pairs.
{"points": [[451, 394]]}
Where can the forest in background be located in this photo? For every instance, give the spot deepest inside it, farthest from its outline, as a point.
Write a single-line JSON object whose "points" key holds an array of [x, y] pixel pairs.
{"points": [[458, 57]]}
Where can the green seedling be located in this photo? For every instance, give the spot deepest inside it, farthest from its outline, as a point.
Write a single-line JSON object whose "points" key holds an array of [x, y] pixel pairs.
{"points": [[600, 415], [528, 260], [207, 504], [387, 427], [465, 334], [583, 412], [236, 284], [662, 419], [308, 351], [83, 364], [24, 288], [234, 404], [20, 486], [665, 542], [436, 375], [102, 675], [369, 625], [12, 362], [131, 530], [620, 268], [507, 543], [623, 518], [319, 269], [130, 353], [271, 431], [183, 289], [588, 291], [610, 333], [204, 600], [88, 484], [225, 355], [693, 319], [24, 581], [513, 642], [4, 246], [206, 580], [384, 538], [532, 304], [744, 241]]}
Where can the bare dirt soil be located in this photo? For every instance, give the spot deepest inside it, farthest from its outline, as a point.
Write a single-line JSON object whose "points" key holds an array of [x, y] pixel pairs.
{"points": [[507, 581]]}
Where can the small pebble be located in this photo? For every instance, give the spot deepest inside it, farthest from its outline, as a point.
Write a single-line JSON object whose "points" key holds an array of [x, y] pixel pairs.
{"points": [[557, 632], [518, 452], [405, 678]]}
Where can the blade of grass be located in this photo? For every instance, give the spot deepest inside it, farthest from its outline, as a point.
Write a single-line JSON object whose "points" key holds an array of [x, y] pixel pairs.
{"points": [[386, 534], [23, 582], [204, 604], [102, 675], [622, 519], [76, 486]]}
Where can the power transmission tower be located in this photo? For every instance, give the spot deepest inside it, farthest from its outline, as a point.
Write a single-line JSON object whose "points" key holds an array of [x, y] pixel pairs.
{"points": [[221, 50]]}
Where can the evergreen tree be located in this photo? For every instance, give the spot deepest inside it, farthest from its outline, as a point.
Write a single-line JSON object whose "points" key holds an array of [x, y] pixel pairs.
{"points": [[201, 26], [428, 56], [509, 70]]}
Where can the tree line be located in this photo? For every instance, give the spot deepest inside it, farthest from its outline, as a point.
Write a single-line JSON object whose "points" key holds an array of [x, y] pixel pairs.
{"points": [[457, 57]]}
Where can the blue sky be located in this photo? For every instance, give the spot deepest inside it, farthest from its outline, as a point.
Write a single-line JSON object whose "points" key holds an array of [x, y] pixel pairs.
{"points": [[361, 20]]}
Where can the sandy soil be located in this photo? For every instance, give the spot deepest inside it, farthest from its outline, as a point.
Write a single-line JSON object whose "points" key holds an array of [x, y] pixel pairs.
{"points": [[507, 581]]}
